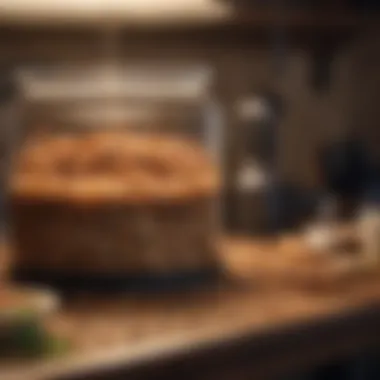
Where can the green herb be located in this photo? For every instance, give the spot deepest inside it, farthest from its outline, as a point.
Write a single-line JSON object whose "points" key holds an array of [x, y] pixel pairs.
{"points": [[28, 338]]}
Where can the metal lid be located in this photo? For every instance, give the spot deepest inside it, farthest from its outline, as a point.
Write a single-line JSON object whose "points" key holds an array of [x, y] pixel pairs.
{"points": [[159, 82]]}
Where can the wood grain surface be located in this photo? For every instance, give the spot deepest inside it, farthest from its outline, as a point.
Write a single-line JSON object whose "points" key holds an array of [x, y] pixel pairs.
{"points": [[135, 331]]}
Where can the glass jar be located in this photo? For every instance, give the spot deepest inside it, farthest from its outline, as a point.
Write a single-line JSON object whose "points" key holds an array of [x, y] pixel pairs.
{"points": [[117, 178], [9, 127]]}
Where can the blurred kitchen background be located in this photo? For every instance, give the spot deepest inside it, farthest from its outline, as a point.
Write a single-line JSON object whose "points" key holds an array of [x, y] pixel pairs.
{"points": [[291, 78]]}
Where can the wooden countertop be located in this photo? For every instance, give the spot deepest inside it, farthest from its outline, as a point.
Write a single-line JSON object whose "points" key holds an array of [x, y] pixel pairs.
{"points": [[245, 325]]}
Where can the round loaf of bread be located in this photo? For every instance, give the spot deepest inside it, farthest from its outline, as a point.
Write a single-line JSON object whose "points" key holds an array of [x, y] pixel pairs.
{"points": [[114, 204]]}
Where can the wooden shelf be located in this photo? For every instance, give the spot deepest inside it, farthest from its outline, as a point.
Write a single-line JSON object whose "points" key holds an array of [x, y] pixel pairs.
{"points": [[213, 14], [325, 18]]}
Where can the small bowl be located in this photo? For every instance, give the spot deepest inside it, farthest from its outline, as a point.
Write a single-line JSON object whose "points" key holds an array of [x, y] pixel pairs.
{"points": [[320, 238]]}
